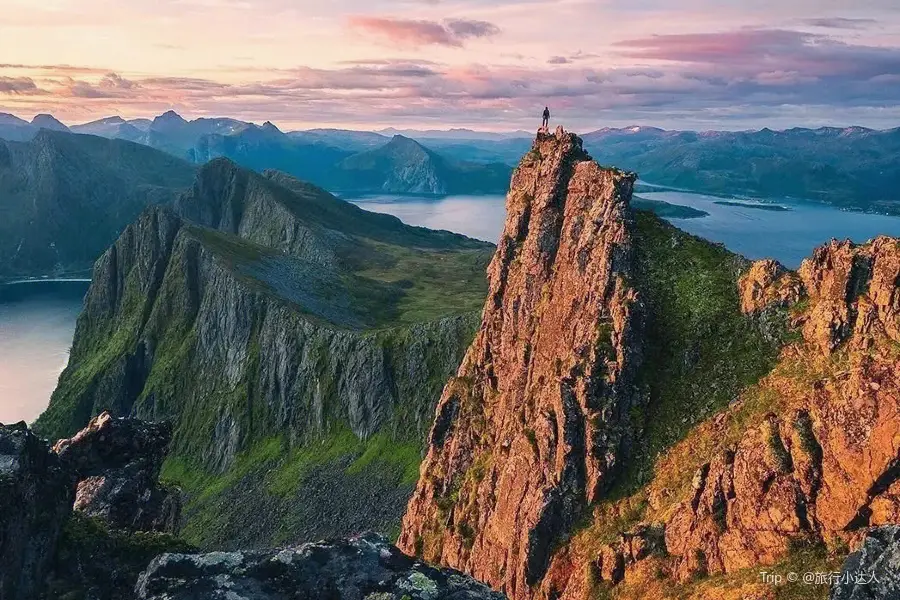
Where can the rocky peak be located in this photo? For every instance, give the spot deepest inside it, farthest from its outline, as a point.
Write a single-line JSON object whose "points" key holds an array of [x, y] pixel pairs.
{"points": [[46, 121], [270, 127], [531, 429], [117, 462], [852, 288], [768, 284], [404, 144], [168, 119]]}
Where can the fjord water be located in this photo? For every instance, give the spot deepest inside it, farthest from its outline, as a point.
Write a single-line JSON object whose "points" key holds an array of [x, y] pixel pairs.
{"points": [[37, 322], [788, 236]]}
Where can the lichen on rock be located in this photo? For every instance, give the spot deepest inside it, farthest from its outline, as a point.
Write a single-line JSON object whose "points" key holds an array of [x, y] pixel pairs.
{"points": [[363, 567]]}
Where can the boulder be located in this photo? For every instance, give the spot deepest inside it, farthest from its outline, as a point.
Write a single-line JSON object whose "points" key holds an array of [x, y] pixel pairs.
{"points": [[366, 567], [873, 571], [117, 462]]}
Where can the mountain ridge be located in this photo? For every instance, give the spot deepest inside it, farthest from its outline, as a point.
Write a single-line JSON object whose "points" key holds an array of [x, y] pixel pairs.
{"points": [[316, 334], [644, 415], [57, 182]]}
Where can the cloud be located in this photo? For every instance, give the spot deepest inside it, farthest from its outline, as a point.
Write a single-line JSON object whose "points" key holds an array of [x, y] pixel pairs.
{"points": [[114, 81], [57, 69], [754, 75], [747, 53], [463, 29], [567, 60], [18, 85], [415, 33], [840, 23]]}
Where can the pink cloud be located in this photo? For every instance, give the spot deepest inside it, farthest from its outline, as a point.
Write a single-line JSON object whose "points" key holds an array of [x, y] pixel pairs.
{"points": [[707, 47], [17, 85], [408, 32]]}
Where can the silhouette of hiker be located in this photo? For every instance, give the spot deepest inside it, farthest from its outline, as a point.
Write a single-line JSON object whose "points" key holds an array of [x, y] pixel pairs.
{"points": [[546, 124]]}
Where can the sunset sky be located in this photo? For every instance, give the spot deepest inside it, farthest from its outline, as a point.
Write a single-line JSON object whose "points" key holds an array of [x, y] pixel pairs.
{"points": [[484, 64]]}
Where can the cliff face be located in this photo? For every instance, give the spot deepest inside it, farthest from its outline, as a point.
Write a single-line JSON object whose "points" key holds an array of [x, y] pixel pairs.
{"points": [[823, 460], [263, 316], [535, 423], [641, 409]]}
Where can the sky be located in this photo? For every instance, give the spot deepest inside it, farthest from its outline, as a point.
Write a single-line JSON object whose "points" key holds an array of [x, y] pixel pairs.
{"points": [[481, 64]]}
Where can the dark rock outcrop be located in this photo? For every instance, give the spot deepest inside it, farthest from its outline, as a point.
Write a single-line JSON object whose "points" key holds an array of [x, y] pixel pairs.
{"points": [[873, 571], [366, 567], [36, 493], [117, 462]]}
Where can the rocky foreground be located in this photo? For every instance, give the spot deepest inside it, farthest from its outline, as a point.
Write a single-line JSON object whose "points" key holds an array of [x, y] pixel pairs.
{"points": [[364, 567], [76, 520]]}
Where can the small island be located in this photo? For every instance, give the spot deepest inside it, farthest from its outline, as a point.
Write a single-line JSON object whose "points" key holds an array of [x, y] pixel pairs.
{"points": [[667, 210], [769, 207]]}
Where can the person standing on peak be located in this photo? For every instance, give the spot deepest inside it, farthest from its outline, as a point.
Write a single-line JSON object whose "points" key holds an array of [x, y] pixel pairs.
{"points": [[546, 124]]}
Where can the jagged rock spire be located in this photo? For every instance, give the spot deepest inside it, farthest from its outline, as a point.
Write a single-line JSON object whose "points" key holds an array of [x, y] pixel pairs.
{"points": [[530, 430]]}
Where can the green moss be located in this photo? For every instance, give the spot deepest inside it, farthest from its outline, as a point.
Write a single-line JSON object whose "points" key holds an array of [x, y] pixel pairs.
{"points": [[203, 486], [275, 473], [780, 455], [700, 350], [289, 474], [808, 442], [380, 450], [90, 557]]}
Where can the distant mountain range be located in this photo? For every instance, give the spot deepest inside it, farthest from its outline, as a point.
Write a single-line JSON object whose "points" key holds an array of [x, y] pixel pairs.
{"points": [[361, 162], [853, 168], [405, 164]]}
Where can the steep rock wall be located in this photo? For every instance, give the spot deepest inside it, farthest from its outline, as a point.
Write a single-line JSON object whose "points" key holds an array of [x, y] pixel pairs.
{"points": [[535, 423]]}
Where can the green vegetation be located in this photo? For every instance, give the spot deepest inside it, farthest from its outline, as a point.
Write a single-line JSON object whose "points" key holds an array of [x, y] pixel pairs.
{"points": [[382, 284], [804, 557], [701, 352], [269, 481]]}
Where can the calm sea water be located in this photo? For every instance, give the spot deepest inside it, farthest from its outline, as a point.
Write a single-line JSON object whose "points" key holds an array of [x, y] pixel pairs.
{"points": [[788, 236], [37, 321]]}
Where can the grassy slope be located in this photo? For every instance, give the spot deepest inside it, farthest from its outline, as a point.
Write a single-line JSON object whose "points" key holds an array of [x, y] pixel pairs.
{"points": [[702, 356], [701, 351]]}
